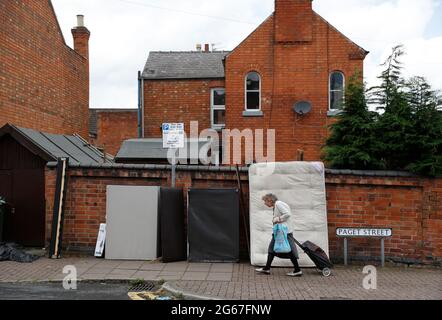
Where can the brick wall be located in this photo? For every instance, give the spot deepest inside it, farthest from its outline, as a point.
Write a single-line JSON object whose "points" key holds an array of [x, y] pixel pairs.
{"points": [[411, 206], [179, 101], [44, 84], [113, 127], [291, 71]]}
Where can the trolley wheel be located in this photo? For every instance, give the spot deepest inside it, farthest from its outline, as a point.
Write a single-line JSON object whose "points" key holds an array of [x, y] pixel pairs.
{"points": [[326, 272]]}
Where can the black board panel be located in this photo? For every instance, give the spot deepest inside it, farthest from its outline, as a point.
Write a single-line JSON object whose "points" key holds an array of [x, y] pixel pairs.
{"points": [[213, 225]]}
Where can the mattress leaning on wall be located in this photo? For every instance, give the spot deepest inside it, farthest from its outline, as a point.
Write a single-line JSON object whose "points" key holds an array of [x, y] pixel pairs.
{"points": [[302, 186]]}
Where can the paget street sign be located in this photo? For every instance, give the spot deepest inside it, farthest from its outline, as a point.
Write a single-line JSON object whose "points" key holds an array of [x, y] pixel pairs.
{"points": [[379, 233], [364, 232]]}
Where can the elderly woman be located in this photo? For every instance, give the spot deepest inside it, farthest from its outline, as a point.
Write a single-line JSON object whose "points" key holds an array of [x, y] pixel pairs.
{"points": [[281, 214]]}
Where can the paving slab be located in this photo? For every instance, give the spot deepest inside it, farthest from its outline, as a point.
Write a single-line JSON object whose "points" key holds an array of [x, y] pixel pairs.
{"points": [[131, 265], [199, 267], [190, 275], [147, 275], [218, 276], [149, 266]]}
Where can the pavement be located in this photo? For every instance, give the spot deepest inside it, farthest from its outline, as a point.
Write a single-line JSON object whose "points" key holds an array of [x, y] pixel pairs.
{"points": [[235, 281]]}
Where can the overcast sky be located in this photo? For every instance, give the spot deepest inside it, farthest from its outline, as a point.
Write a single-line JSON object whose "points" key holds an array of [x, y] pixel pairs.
{"points": [[124, 31]]}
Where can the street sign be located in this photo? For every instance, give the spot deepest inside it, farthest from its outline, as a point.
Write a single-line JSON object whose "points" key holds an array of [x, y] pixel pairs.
{"points": [[173, 135], [364, 232], [379, 233]]}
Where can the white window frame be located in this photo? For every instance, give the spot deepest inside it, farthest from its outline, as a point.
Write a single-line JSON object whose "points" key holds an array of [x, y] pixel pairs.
{"points": [[214, 107], [330, 89], [247, 91]]}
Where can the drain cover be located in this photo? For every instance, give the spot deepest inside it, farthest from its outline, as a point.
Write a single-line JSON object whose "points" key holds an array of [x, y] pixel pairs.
{"points": [[144, 287]]}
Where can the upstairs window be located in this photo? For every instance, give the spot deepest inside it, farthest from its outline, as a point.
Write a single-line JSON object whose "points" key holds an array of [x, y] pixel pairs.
{"points": [[253, 91], [218, 108], [337, 85]]}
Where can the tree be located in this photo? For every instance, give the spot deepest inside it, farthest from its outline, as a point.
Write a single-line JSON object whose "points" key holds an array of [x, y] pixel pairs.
{"points": [[351, 141], [405, 133], [426, 135], [394, 125]]}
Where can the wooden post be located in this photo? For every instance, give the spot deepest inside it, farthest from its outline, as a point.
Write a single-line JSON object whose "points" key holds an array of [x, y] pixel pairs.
{"points": [[58, 215], [300, 155]]}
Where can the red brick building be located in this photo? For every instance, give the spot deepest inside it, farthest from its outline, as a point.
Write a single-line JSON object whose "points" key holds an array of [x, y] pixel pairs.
{"points": [[294, 56], [103, 132], [44, 83]]}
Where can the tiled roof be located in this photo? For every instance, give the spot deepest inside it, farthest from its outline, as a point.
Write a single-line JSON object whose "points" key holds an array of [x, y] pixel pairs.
{"points": [[185, 65]]}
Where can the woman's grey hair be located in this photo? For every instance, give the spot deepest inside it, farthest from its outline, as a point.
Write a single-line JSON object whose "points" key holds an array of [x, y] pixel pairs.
{"points": [[270, 196]]}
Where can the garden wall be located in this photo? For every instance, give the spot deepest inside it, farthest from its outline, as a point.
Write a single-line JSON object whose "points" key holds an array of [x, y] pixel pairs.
{"points": [[411, 206]]}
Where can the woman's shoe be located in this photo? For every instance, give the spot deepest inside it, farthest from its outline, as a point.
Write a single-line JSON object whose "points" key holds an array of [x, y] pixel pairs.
{"points": [[262, 270], [295, 274]]}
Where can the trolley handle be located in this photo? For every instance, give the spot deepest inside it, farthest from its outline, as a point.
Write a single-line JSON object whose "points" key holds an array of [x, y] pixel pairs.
{"points": [[299, 244]]}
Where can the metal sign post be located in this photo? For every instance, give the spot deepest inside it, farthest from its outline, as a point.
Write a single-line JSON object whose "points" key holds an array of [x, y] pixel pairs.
{"points": [[379, 233], [173, 139], [174, 168], [346, 251]]}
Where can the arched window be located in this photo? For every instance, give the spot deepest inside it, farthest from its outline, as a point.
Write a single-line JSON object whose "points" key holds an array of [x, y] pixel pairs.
{"points": [[253, 91], [337, 87]]}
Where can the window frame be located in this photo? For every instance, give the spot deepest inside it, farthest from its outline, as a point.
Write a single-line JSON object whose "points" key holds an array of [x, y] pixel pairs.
{"points": [[246, 91], [330, 90], [214, 107]]}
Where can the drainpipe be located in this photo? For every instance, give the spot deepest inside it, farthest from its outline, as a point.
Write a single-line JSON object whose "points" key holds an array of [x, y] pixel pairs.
{"points": [[139, 105], [142, 107]]}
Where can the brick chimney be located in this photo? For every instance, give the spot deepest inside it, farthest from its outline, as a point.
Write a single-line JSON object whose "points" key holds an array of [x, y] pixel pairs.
{"points": [[81, 37], [293, 20], [206, 48]]}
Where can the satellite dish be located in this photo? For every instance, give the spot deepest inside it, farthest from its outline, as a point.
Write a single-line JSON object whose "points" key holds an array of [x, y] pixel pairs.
{"points": [[302, 107]]}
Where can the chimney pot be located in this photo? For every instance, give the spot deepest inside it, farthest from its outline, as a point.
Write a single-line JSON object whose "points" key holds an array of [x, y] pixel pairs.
{"points": [[80, 20], [207, 47], [198, 47]]}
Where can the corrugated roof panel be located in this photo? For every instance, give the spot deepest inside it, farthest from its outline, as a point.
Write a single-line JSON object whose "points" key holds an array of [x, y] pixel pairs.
{"points": [[42, 142], [67, 147], [58, 146], [89, 150]]}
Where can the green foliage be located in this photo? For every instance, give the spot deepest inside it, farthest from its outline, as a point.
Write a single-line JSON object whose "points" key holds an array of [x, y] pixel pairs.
{"points": [[426, 135], [396, 121], [406, 134], [351, 140]]}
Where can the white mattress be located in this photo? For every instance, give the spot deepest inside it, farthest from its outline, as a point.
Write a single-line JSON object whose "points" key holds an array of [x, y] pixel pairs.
{"points": [[302, 186]]}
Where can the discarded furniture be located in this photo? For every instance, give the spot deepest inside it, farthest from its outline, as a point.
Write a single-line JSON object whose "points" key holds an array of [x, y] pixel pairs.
{"points": [[213, 225]]}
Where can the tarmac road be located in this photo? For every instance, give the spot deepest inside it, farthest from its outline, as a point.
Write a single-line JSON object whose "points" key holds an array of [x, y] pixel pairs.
{"points": [[55, 291]]}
